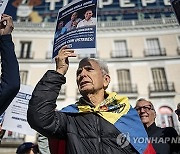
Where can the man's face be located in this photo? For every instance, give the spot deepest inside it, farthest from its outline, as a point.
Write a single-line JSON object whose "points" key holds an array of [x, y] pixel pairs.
{"points": [[90, 78], [88, 15], [74, 16], [146, 112]]}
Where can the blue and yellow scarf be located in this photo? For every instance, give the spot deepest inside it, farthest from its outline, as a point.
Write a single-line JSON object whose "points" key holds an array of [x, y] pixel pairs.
{"points": [[117, 110]]}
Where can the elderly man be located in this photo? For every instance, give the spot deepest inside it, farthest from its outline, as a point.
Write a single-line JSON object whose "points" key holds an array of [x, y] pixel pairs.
{"points": [[10, 80], [97, 123], [161, 138]]}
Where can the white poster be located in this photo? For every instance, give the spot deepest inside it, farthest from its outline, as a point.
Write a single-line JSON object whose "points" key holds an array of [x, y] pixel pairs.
{"points": [[3, 4], [76, 27], [15, 118]]}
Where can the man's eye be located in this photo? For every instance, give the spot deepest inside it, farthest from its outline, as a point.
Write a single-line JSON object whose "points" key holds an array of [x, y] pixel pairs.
{"points": [[89, 68], [146, 108], [79, 71]]}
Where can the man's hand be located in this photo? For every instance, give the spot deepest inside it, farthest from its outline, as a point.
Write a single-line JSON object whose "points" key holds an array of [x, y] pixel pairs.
{"points": [[6, 24], [62, 62]]}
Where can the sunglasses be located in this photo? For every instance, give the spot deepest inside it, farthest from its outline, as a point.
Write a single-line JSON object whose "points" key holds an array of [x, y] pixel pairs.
{"points": [[146, 108]]}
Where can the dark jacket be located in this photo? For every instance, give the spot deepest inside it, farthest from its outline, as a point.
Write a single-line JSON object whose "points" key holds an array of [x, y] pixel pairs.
{"points": [[163, 139], [84, 133], [10, 80]]}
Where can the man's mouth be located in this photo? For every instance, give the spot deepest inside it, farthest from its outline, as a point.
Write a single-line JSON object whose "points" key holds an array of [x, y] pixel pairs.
{"points": [[84, 83], [144, 116]]}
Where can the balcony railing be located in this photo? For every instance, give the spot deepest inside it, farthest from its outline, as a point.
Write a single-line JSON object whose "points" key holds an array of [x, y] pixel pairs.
{"points": [[81, 56], [161, 89], [155, 52], [121, 53], [125, 88], [50, 26], [25, 55], [12, 138], [130, 90]]}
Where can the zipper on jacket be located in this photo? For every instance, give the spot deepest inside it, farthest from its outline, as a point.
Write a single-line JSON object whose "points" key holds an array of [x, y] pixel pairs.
{"points": [[99, 134]]}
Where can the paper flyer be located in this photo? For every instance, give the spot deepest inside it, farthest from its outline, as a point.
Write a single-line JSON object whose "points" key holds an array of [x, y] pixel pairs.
{"points": [[176, 8], [1, 118], [76, 27], [3, 4], [15, 118]]}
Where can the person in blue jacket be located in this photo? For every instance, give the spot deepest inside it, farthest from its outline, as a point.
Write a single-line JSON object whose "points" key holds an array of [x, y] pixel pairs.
{"points": [[10, 79]]}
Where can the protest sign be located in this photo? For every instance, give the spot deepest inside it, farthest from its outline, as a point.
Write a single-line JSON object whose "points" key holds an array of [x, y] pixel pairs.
{"points": [[3, 4], [1, 118], [176, 7], [76, 27], [15, 118]]}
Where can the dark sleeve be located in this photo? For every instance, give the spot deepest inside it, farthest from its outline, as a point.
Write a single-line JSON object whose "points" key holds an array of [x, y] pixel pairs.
{"points": [[41, 113], [10, 80], [172, 134]]}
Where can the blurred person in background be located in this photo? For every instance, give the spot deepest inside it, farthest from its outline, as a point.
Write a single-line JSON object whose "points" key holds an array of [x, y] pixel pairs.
{"points": [[161, 138], [27, 148], [43, 144]]}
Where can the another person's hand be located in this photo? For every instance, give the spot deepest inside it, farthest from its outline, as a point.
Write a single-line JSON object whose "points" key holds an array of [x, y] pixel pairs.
{"points": [[6, 24], [62, 62]]}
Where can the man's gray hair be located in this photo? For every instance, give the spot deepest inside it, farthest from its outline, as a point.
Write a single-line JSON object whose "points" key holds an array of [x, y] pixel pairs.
{"points": [[102, 64], [143, 99]]}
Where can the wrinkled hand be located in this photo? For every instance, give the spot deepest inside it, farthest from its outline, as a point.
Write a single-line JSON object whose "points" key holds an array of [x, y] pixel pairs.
{"points": [[6, 24], [62, 62]]}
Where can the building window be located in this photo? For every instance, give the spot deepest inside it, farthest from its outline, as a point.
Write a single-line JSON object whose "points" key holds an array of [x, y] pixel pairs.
{"points": [[25, 51], [13, 137], [124, 80], [159, 79], [81, 56], [153, 48], [178, 48], [121, 49], [23, 77]]}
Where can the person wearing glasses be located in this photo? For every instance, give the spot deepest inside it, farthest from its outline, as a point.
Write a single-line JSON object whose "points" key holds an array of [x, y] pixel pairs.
{"points": [[177, 111], [162, 139]]}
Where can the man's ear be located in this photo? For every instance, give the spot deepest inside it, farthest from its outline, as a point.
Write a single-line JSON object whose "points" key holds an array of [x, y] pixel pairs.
{"points": [[154, 114], [107, 80]]}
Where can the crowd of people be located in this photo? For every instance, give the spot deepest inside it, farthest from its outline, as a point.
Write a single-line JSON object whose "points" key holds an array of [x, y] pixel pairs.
{"points": [[99, 122]]}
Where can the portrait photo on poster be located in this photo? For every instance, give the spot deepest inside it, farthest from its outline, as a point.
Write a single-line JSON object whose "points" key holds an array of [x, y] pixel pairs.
{"points": [[76, 27]]}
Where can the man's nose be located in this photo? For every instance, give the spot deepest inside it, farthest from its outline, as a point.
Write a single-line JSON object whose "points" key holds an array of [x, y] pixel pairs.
{"points": [[142, 109], [83, 72]]}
